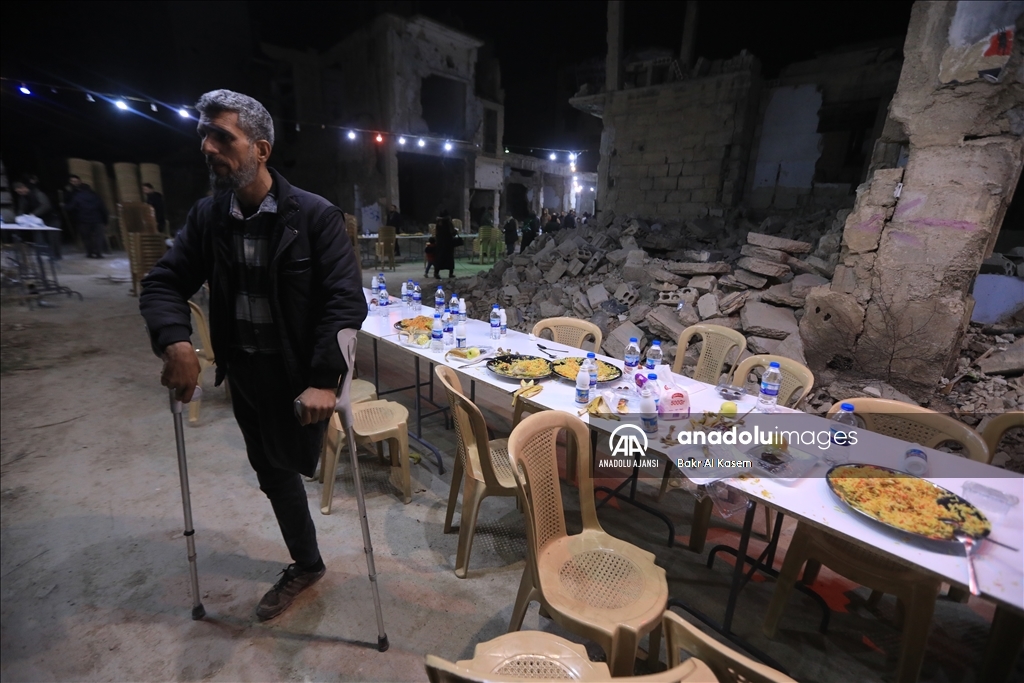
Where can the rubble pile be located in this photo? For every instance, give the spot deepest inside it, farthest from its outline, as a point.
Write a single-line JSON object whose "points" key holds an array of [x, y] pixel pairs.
{"points": [[650, 281]]}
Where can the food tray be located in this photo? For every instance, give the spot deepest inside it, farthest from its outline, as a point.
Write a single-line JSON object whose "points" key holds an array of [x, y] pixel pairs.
{"points": [[499, 366], [420, 323], [563, 368]]}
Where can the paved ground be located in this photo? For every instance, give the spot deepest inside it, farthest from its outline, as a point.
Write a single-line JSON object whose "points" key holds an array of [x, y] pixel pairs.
{"points": [[93, 566]]}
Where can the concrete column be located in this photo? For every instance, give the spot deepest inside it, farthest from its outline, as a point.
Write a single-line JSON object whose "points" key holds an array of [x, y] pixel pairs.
{"points": [[391, 174], [613, 62], [497, 206], [689, 36]]}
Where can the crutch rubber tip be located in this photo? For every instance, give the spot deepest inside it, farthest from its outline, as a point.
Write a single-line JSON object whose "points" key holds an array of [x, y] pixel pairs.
{"points": [[198, 612], [382, 643]]}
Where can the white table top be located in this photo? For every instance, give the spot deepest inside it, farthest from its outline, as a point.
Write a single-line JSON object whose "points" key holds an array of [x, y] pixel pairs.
{"points": [[28, 228], [1000, 570]]}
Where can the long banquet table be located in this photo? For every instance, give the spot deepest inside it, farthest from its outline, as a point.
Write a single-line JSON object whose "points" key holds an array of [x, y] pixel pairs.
{"points": [[1000, 570]]}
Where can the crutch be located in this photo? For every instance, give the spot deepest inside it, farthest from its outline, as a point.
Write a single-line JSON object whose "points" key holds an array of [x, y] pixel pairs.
{"points": [[198, 611], [347, 344]]}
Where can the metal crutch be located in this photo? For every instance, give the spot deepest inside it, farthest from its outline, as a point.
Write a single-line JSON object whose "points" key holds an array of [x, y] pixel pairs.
{"points": [[347, 344], [198, 611]]}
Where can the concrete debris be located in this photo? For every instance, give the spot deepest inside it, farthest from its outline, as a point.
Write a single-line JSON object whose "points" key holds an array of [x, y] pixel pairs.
{"points": [[704, 283], [802, 284], [748, 279], [780, 243], [762, 267], [707, 306], [1009, 361], [782, 295], [768, 321], [597, 295]]}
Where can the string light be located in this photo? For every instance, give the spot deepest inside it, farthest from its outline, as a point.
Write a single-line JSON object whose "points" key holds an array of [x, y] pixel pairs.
{"points": [[351, 135], [379, 138], [121, 104], [152, 106], [24, 90], [183, 113], [553, 156], [89, 97], [401, 140], [421, 142], [447, 146]]}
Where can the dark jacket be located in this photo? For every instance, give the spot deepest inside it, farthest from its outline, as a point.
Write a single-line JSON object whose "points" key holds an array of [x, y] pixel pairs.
{"points": [[315, 284], [86, 207], [444, 253], [156, 200], [35, 203], [511, 230]]}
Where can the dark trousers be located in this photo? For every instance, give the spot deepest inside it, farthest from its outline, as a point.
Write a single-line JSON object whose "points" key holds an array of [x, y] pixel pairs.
{"points": [[93, 237], [279, 448]]}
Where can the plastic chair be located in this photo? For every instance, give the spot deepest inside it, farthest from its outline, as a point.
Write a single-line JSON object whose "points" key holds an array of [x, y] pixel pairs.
{"points": [[488, 473], [376, 422], [570, 331], [360, 391], [797, 379], [385, 247], [590, 583], [994, 430], [717, 344], [206, 357], [482, 244], [728, 665], [144, 250], [915, 589], [457, 224]]}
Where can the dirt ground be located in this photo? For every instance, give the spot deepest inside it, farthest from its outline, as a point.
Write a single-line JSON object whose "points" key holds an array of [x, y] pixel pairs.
{"points": [[93, 561]]}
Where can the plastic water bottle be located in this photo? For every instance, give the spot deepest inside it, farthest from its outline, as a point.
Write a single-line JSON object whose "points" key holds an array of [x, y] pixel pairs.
{"points": [[383, 299], [654, 355], [652, 383], [448, 328], [771, 380], [373, 294], [417, 299], [406, 297], [462, 311], [504, 323], [437, 335], [632, 356], [460, 335], [840, 438], [583, 386], [648, 410], [592, 369], [439, 300], [453, 303], [495, 322]]}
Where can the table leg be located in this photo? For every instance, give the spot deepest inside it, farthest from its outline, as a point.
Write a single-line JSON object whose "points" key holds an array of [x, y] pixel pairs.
{"points": [[1003, 647], [631, 481]]}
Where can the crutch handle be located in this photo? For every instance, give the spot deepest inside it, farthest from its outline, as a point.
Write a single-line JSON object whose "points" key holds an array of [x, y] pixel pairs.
{"points": [[176, 405]]}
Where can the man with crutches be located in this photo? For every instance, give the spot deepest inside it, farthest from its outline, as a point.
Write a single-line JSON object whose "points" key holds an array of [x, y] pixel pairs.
{"points": [[284, 282]]}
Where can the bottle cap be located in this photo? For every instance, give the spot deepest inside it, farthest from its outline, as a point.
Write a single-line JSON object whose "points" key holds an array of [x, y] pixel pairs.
{"points": [[846, 406], [774, 364], [591, 354], [656, 343], [437, 315], [651, 377], [632, 339]]}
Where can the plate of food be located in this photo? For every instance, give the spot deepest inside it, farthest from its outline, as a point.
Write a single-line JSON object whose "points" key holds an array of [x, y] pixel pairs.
{"points": [[415, 338], [517, 366], [420, 323], [906, 503], [468, 354], [568, 368]]}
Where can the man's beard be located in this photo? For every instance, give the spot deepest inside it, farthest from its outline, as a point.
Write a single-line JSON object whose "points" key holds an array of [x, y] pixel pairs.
{"points": [[243, 176]]}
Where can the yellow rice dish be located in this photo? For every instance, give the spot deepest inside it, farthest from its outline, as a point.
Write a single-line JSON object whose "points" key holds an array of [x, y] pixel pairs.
{"points": [[420, 323], [906, 502], [570, 367], [527, 368]]}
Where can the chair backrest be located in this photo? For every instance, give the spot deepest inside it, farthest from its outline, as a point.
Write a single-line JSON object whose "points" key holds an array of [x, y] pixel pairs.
{"points": [[797, 379], [432, 229], [717, 343], [998, 426], [386, 236], [570, 331], [915, 424], [144, 250], [470, 429], [203, 330], [352, 228], [137, 217], [458, 224], [728, 665], [533, 449]]}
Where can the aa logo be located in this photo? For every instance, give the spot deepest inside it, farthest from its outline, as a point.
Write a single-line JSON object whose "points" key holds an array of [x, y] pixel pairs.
{"points": [[628, 441]]}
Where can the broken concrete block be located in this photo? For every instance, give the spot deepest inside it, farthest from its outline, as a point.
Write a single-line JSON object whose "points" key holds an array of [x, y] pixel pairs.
{"points": [[830, 326], [750, 279], [1008, 362], [593, 263], [697, 256], [704, 283], [638, 313], [864, 228], [575, 266], [762, 344], [762, 267], [556, 271], [782, 295], [550, 310], [628, 242], [780, 243], [792, 347], [533, 274], [636, 257], [615, 343], [764, 320], [764, 254], [510, 292], [597, 295], [707, 306], [665, 323], [664, 287], [545, 252], [626, 294], [730, 282], [617, 257], [669, 298], [731, 303], [567, 248], [683, 268], [821, 265], [733, 322], [687, 314], [803, 283], [662, 275], [580, 305]]}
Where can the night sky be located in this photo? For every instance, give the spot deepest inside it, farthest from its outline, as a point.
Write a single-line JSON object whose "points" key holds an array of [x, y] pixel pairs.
{"points": [[130, 48]]}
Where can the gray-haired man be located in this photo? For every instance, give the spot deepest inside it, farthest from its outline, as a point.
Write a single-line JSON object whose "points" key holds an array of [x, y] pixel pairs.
{"points": [[283, 281]]}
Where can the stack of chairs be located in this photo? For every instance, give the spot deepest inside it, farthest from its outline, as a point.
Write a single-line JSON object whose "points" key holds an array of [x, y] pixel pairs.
{"points": [[139, 234]]}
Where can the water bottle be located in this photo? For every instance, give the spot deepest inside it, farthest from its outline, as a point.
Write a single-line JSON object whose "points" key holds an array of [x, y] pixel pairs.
{"points": [[383, 299], [582, 386], [437, 335], [840, 437], [771, 380], [632, 356], [648, 410], [592, 370], [417, 299], [406, 297], [504, 323], [460, 335], [653, 355], [652, 383], [453, 303], [462, 311], [439, 300], [373, 294], [495, 322], [448, 328]]}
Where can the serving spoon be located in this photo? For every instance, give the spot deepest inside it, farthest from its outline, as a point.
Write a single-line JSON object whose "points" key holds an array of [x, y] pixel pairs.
{"points": [[547, 352]]}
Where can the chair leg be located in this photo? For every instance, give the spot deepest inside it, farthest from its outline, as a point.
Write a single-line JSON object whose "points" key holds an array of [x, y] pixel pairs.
{"points": [[193, 412], [654, 646], [811, 572], [665, 479], [400, 448], [700, 524], [622, 657], [327, 492], [453, 493], [523, 599], [796, 555], [767, 524], [1004, 641], [874, 599], [917, 624], [472, 496]]}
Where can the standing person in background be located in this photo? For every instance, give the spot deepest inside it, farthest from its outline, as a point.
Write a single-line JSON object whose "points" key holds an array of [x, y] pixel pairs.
{"points": [[570, 219], [531, 227], [90, 215], [444, 252], [552, 225], [511, 230], [156, 200], [30, 200], [394, 219]]}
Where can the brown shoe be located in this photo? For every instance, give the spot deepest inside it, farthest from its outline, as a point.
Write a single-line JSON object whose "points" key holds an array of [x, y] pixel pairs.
{"points": [[292, 582]]}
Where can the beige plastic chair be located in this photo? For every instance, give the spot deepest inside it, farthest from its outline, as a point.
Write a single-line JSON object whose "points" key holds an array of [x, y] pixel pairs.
{"points": [[590, 583], [206, 357], [385, 246], [718, 343], [488, 472], [728, 665], [915, 589], [376, 422], [144, 250], [997, 428], [360, 391], [482, 246], [457, 224], [540, 656], [797, 379]]}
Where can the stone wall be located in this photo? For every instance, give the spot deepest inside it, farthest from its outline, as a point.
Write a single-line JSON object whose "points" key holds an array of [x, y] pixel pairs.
{"points": [[898, 305], [669, 151]]}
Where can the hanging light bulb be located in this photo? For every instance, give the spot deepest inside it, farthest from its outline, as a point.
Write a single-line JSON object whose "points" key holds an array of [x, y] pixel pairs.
{"points": [[401, 140], [506, 150], [120, 104], [572, 156], [89, 97], [553, 156], [447, 146], [298, 127], [152, 106], [183, 113], [421, 142], [351, 135], [24, 90], [379, 138]]}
